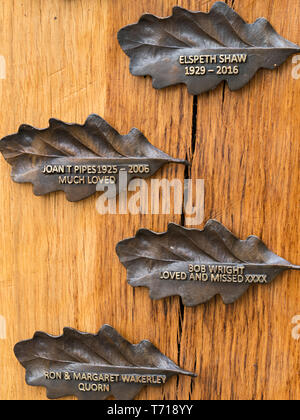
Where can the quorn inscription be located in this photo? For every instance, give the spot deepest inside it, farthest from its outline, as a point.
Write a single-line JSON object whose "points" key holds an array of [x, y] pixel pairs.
{"points": [[101, 382], [93, 367]]}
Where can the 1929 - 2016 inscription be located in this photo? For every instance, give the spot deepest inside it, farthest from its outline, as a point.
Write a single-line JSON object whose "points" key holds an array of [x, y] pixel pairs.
{"points": [[220, 65], [203, 49]]}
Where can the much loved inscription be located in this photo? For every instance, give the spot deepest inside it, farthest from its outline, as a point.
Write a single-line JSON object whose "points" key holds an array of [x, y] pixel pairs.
{"points": [[85, 157], [92, 174]]}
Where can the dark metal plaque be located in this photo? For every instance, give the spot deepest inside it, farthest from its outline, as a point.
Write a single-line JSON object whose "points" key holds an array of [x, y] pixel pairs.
{"points": [[77, 158], [198, 264], [93, 367], [203, 49]]}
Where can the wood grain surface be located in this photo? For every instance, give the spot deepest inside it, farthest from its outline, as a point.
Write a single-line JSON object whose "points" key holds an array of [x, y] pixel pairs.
{"points": [[58, 262]]}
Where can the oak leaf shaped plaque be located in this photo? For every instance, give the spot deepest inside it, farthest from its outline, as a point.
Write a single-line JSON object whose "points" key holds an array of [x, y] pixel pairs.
{"points": [[198, 264], [93, 367], [76, 158], [202, 49]]}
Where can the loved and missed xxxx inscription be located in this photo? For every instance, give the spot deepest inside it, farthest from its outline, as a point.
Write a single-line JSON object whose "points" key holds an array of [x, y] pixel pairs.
{"points": [[198, 264], [78, 158]]}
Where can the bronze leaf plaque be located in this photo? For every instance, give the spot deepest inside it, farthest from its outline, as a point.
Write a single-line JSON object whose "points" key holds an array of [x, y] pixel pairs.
{"points": [[93, 367], [76, 158], [198, 264], [203, 49]]}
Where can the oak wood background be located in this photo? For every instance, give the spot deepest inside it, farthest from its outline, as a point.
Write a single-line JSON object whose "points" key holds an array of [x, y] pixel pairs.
{"points": [[58, 265]]}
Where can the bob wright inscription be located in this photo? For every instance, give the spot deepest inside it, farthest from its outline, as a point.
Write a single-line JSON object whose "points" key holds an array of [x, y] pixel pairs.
{"points": [[215, 274]]}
